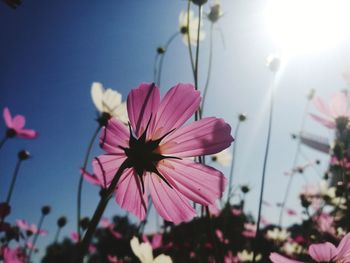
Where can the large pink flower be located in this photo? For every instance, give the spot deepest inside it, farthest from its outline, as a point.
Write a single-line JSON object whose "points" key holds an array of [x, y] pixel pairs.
{"points": [[16, 255], [323, 252], [16, 126], [155, 150], [337, 108]]}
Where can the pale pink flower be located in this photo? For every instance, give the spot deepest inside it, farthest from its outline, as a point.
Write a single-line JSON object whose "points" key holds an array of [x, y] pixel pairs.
{"points": [[16, 255], [249, 230], [22, 224], [325, 223], [291, 212], [337, 108], [15, 126], [155, 149], [323, 252]]}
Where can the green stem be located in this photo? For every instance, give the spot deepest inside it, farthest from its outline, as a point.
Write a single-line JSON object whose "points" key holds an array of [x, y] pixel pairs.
{"points": [[81, 179], [155, 67], [161, 61], [2, 142], [209, 66], [255, 244], [188, 37], [13, 182], [106, 196], [232, 164], [57, 235], [36, 236]]}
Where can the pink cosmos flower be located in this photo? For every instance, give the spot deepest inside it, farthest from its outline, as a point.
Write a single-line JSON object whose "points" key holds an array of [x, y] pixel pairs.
{"points": [[16, 255], [337, 108], [22, 224], [323, 252], [155, 152], [16, 126]]}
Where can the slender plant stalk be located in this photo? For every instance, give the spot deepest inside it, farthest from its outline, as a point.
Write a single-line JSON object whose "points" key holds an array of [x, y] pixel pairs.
{"points": [[295, 161], [189, 38], [161, 60], [155, 67], [36, 236], [2, 142], [57, 235], [209, 67], [255, 244], [106, 196], [13, 182], [232, 164], [81, 179]]}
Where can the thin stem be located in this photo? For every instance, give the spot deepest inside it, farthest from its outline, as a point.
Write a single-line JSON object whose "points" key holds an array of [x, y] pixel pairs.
{"points": [[36, 235], [209, 66], [188, 37], [197, 48], [106, 196], [155, 67], [81, 179], [161, 61], [2, 142], [232, 163], [13, 182], [57, 235], [295, 161], [264, 169]]}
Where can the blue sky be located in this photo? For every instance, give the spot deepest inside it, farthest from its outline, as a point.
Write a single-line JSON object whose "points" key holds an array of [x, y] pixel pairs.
{"points": [[51, 52]]}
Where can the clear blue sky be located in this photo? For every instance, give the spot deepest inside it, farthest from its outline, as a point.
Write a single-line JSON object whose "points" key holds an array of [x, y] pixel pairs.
{"points": [[51, 52]]}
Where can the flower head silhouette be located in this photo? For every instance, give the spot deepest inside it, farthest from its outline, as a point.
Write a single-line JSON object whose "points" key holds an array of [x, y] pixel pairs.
{"points": [[154, 151]]}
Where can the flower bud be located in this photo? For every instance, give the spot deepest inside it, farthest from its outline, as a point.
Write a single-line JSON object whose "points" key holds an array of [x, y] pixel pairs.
{"points": [[242, 117], [23, 155], [199, 2], [273, 62], [84, 223], [45, 210], [61, 222]]}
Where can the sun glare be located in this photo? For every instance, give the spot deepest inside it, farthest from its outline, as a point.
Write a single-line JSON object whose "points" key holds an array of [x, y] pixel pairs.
{"points": [[299, 26]]}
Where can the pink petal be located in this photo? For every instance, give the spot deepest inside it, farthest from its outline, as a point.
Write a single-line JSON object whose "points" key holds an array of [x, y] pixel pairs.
{"points": [[207, 136], [177, 106], [170, 204], [18, 122], [198, 182], [74, 236], [343, 249], [326, 122], [322, 106], [90, 178], [323, 252], [22, 224], [129, 194], [113, 136], [277, 258], [104, 222], [43, 232], [142, 103], [27, 134], [106, 166], [339, 105], [7, 118], [157, 241]]}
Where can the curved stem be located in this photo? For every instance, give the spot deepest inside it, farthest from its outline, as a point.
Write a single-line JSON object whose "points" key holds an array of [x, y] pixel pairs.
{"points": [[36, 235], [295, 161], [232, 164], [188, 37], [106, 196], [81, 179], [209, 66], [13, 182], [170, 40], [264, 170], [2, 142]]}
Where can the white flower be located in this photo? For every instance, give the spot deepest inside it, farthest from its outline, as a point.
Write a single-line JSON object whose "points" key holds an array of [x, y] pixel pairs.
{"points": [[277, 234], [191, 30], [246, 256], [145, 254], [109, 101], [292, 248], [224, 157]]}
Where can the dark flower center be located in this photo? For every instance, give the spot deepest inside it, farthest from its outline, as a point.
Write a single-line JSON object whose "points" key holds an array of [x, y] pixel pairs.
{"points": [[184, 30], [143, 155]]}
